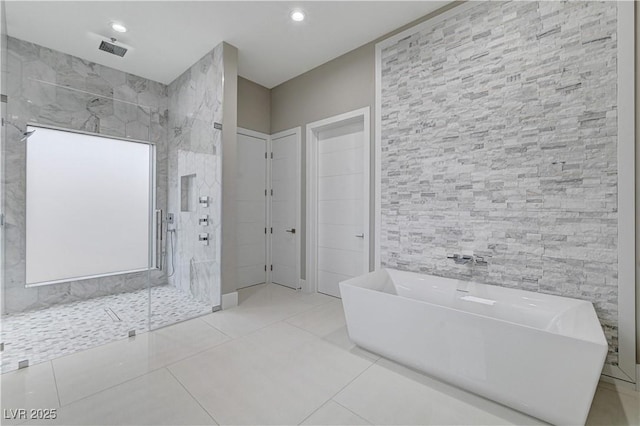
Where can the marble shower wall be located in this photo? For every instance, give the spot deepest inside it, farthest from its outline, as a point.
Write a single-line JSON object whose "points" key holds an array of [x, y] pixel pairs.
{"points": [[499, 137], [52, 88], [195, 102], [3, 116]]}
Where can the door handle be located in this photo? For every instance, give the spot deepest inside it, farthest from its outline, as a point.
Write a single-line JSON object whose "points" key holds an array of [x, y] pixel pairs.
{"points": [[360, 235], [292, 230]]}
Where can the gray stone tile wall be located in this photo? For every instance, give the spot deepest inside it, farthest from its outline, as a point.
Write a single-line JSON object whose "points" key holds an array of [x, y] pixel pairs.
{"points": [[52, 88], [499, 133], [195, 102]]}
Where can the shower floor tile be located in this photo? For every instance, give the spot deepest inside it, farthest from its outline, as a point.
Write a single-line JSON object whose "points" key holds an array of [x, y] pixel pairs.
{"points": [[43, 335]]}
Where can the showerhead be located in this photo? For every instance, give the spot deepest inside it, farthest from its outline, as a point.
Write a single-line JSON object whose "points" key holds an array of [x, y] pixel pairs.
{"points": [[26, 135], [112, 48]]}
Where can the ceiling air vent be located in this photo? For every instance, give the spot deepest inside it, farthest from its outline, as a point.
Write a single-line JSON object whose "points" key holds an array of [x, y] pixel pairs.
{"points": [[112, 48]]}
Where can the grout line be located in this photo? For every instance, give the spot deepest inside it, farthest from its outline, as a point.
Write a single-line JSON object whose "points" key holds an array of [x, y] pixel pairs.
{"points": [[197, 316], [111, 387], [193, 397], [137, 376], [310, 332], [351, 411], [55, 382], [214, 327], [340, 390]]}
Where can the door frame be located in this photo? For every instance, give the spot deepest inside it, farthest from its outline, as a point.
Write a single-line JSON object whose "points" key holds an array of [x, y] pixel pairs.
{"points": [[267, 203], [297, 132], [311, 284]]}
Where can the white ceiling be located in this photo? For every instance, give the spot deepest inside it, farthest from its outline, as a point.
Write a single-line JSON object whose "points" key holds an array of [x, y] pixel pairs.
{"points": [[166, 37]]}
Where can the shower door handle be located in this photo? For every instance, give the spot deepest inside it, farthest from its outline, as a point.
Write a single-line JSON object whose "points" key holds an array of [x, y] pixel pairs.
{"points": [[159, 264], [291, 231]]}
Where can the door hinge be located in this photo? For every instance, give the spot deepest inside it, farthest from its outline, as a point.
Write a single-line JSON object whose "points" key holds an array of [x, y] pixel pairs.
{"points": [[265, 230], [265, 268], [265, 155], [265, 192], [272, 155], [272, 230], [272, 267], [272, 192], [1, 219]]}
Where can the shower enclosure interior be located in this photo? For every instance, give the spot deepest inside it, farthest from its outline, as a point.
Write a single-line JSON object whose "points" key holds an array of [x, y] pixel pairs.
{"points": [[110, 222]]}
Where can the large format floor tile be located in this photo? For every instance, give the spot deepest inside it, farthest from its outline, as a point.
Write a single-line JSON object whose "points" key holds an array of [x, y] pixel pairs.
{"points": [[612, 407], [156, 398], [340, 338], [277, 375], [281, 357], [29, 388], [333, 413], [91, 371], [322, 320], [260, 306], [394, 395]]}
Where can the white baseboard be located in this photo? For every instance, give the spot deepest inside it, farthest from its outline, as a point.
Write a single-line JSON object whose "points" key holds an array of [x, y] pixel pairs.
{"points": [[229, 300]]}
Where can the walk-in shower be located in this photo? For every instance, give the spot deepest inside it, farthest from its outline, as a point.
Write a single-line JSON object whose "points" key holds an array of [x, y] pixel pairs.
{"points": [[96, 246]]}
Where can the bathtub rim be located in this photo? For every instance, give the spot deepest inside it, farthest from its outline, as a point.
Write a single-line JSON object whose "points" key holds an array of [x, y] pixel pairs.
{"points": [[592, 313]]}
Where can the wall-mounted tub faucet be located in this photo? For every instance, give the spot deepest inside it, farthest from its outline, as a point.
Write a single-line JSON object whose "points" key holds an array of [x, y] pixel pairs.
{"points": [[463, 259], [460, 259]]}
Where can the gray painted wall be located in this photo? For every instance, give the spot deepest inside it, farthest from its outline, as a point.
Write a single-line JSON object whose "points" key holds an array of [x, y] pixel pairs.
{"points": [[341, 85], [637, 82], [254, 106]]}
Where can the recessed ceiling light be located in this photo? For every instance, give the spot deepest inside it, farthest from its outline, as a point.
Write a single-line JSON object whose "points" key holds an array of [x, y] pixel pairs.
{"points": [[118, 27], [297, 15]]}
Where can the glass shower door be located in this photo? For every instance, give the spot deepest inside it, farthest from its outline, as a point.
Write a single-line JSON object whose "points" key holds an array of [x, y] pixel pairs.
{"points": [[65, 287], [191, 234]]}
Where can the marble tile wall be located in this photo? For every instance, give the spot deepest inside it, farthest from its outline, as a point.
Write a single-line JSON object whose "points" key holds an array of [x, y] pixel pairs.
{"points": [[499, 138], [194, 148], [52, 88], [3, 117]]}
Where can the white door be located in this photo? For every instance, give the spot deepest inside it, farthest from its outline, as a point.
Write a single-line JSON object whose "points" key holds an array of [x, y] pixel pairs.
{"points": [[342, 227], [251, 237], [285, 183]]}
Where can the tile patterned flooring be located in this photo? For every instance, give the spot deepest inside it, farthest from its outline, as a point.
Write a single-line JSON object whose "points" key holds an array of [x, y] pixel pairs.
{"points": [[50, 333], [280, 357]]}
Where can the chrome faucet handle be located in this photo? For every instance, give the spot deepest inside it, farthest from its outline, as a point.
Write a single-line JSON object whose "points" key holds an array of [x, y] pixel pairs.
{"points": [[479, 260]]}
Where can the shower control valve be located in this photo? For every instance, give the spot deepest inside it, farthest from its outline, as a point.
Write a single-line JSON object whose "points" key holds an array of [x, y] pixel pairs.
{"points": [[204, 201], [204, 238], [203, 220]]}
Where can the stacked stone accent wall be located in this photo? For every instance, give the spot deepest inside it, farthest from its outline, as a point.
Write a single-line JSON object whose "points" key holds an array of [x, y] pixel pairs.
{"points": [[499, 137]]}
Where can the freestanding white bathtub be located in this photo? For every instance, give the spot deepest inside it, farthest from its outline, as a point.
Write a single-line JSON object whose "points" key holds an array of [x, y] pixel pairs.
{"points": [[533, 352]]}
